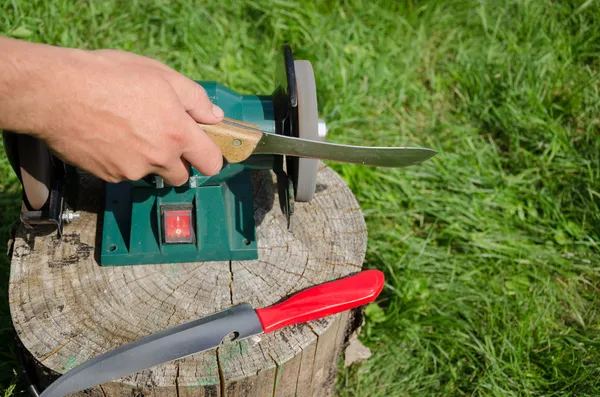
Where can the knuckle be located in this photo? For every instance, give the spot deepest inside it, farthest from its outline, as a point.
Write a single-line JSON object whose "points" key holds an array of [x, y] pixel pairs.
{"points": [[113, 178], [159, 157], [194, 95], [175, 134], [199, 95], [133, 173], [196, 92]]}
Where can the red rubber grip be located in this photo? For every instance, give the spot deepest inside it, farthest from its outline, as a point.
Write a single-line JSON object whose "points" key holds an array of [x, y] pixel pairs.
{"points": [[323, 300]]}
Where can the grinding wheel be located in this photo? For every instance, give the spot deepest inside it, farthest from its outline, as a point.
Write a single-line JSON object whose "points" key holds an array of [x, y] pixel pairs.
{"points": [[308, 123], [36, 170]]}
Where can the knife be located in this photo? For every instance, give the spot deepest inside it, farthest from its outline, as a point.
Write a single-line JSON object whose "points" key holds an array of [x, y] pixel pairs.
{"points": [[239, 140], [206, 333]]}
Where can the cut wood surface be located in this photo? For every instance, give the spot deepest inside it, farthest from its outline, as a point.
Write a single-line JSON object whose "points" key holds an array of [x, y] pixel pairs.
{"points": [[67, 309]]}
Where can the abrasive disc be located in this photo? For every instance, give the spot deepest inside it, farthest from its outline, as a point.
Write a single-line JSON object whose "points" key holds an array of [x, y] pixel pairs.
{"points": [[37, 170], [308, 123]]}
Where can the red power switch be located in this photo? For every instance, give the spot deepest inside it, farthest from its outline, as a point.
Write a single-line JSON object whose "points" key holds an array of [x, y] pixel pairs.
{"points": [[177, 225]]}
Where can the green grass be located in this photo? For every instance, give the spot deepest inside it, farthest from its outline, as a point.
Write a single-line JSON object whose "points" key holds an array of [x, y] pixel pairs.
{"points": [[490, 249]]}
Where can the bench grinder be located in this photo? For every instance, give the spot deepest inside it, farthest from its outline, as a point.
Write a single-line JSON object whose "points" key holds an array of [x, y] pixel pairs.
{"points": [[209, 218]]}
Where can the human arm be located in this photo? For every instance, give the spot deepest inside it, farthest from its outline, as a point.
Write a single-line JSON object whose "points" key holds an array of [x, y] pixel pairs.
{"points": [[114, 114]]}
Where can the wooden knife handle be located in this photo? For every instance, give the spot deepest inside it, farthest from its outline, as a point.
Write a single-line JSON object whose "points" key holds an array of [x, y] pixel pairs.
{"points": [[237, 142]]}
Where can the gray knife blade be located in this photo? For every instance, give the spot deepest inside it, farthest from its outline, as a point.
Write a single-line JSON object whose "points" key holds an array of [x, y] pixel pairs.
{"points": [[365, 155], [159, 348], [238, 140]]}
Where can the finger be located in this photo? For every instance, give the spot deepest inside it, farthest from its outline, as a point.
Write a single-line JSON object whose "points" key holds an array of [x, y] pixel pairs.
{"points": [[202, 153], [195, 100], [175, 174]]}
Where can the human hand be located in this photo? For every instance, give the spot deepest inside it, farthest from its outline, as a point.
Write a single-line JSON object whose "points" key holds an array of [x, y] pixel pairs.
{"points": [[113, 114]]}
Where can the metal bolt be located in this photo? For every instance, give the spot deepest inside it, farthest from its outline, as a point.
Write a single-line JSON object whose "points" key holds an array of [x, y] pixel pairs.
{"points": [[69, 216], [322, 129], [237, 142]]}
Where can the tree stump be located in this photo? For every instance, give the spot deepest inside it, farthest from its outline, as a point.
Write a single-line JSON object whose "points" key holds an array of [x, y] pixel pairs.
{"points": [[67, 309]]}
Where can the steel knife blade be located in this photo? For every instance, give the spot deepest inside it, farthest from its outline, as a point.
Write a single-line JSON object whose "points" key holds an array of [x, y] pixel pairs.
{"points": [[208, 332], [239, 140]]}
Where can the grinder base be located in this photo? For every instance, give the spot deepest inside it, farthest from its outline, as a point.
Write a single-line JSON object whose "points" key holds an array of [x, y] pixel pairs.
{"points": [[220, 227]]}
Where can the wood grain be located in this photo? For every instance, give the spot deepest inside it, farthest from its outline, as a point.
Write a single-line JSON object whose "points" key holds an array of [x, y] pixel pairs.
{"points": [[67, 309], [236, 139]]}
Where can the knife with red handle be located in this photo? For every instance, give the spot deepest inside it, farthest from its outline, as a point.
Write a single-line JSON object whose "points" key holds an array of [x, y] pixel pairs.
{"points": [[208, 332]]}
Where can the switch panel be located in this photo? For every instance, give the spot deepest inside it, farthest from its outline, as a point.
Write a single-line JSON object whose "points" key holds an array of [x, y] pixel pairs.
{"points": [[177, 224]]}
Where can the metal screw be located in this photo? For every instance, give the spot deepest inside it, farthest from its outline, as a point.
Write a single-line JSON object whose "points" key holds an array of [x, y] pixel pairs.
{"points": [[236, 142], [69, 216]]}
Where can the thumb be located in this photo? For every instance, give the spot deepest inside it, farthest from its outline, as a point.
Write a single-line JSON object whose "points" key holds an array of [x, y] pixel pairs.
{"points": [[195, 100]]}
